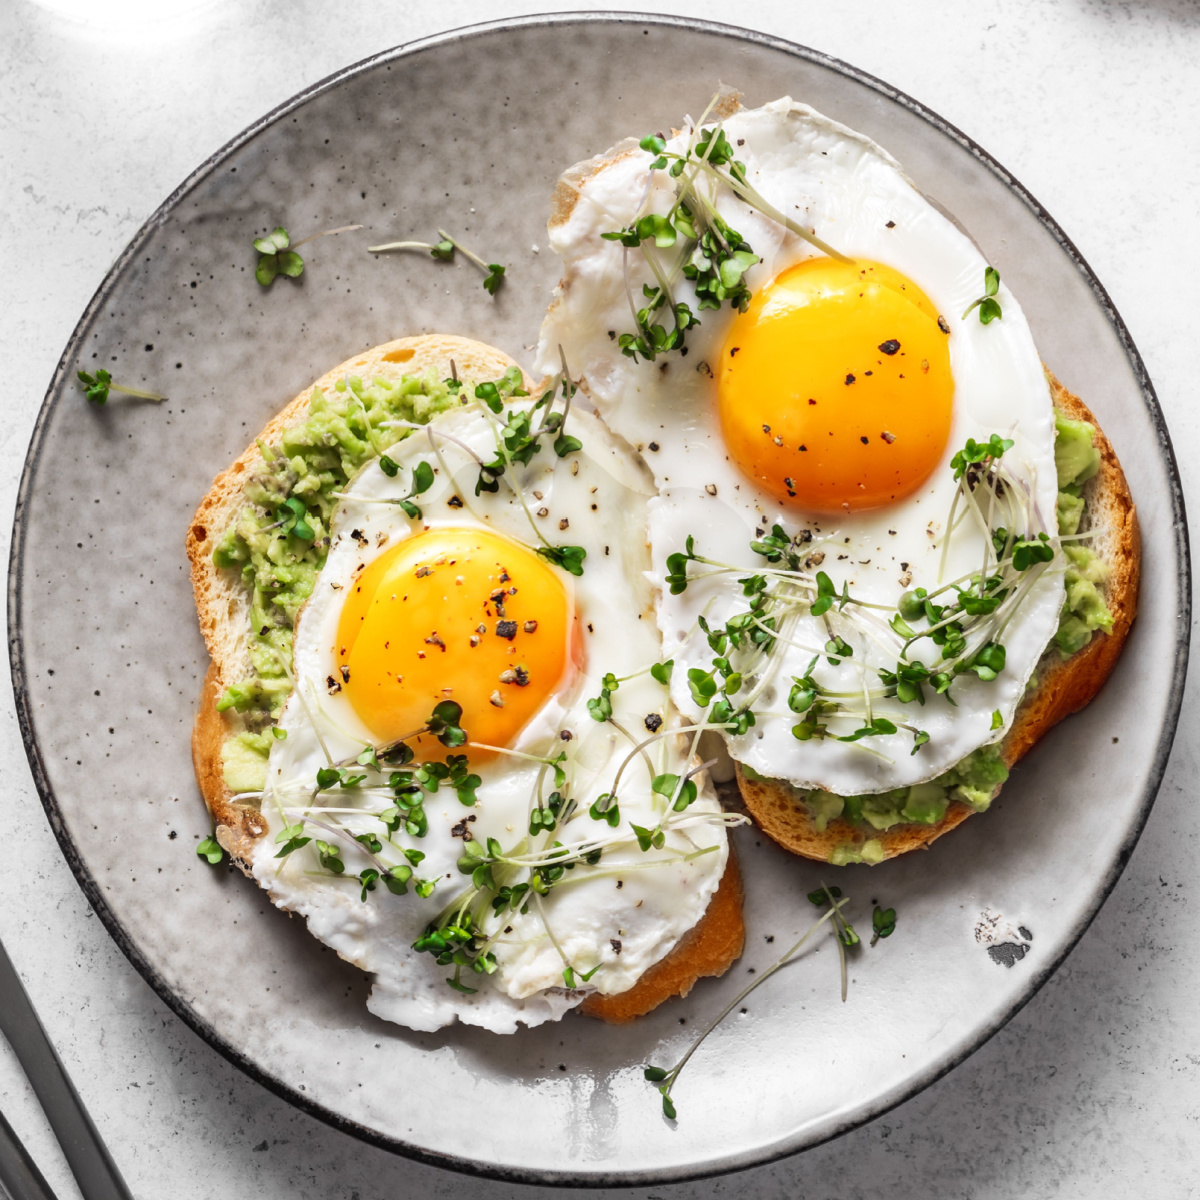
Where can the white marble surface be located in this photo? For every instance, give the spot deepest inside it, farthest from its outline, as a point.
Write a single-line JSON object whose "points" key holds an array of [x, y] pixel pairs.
{"points": [[105, 105]]}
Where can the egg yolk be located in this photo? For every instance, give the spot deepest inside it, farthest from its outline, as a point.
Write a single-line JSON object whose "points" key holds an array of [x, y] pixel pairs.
{"points": [[835, 390], [453, 614]]}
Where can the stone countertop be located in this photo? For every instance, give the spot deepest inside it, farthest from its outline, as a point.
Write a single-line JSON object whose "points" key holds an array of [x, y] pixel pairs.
{"points": [[105, 105]]}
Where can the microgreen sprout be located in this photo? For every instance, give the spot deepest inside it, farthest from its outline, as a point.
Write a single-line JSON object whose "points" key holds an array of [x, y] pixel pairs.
{"points": [[666, 1078], [988, 305], [444, 250], [569, 558], [96, 387], [700, 245], [277, 255], [210, 850], [883, 923]]}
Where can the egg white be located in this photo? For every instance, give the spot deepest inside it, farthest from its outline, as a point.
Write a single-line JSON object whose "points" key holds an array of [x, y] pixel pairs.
{"points": [[626, 912], [857, 199]]}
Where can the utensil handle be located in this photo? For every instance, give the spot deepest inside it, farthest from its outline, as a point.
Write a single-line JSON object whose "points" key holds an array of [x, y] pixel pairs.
{"points": [[85, 1151], [19, 1177]]}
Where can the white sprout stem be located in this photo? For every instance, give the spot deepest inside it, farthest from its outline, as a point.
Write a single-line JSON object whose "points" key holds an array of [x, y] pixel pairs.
{"points": [[756, 200], [346, 836], [782, 961], [137, 393], [400, 246], [459, 246], [656, 737], [537, 901], [312, 237], [621, 729]]}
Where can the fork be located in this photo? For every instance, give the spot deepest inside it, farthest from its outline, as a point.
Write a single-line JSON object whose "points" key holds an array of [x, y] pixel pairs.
{"points": [[85, 1151]]}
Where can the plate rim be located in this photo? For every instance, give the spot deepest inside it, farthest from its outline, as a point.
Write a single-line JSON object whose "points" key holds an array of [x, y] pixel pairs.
{"points": [[730, 1163]]}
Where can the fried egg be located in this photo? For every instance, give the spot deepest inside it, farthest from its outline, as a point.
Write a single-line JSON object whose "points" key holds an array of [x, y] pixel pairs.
{"points": [[449, 601], [830, 407]]}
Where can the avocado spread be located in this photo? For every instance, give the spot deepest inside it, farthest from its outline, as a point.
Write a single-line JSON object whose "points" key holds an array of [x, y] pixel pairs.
{"points": [[974, 780], [281, 537]]}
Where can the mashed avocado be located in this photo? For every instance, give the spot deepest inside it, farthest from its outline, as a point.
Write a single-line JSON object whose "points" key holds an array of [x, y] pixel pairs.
{"points": [[1084, 609], [244, 760], [974, 780], [281, 537]]}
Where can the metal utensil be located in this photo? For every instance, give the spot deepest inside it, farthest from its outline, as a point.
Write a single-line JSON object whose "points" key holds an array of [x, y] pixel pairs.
{"points": [[19, 1177], [85, 1151]]}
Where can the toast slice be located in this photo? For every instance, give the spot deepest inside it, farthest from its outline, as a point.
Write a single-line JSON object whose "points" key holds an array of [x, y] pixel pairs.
{"points": [[222, 605], [1064, 686]]}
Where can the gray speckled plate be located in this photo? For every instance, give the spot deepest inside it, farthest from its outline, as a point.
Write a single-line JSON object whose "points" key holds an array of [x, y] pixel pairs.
{"points": [[469, 130]]}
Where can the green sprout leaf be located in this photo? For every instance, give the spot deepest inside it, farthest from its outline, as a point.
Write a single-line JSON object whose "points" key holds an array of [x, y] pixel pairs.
{"points": [[883, 922], [668, 785], [494, 278], [988, 305], [210, 849], [600, 707], [605, 808], [826, 594], [444, 724], [292, 838], [329, 857], [569, 558], [276, 258], [661, 672], [95, 387]]}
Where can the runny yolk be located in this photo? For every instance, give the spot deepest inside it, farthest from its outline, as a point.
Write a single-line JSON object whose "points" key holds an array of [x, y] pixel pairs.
{"points": [[453, 614], [835, 391]]}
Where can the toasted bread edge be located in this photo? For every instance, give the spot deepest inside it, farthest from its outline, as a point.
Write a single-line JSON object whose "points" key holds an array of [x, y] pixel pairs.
{"points": [[1064, 687]]}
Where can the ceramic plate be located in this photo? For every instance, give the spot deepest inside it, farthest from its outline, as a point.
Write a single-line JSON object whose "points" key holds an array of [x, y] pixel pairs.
{"points": [[469, 131]]}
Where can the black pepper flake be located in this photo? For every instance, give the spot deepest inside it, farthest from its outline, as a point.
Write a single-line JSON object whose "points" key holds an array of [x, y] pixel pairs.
{"points": [[332, 686], [359, 536], [733, 352], [530, 627], [612, 335], [423, 571], [653, 445], [653, 722], [890, 225], [888, 437], [506, 629], [890, 346], [615, 943], [505, 577], [865, 440], [620, 883], [766, 429], [461, 830], [942, 325], [803, 448], [455, 502], [849, 379], [345, 672], [431, 640]]}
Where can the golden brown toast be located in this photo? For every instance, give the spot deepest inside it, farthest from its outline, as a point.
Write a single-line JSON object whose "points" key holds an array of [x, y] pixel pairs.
{"points": [[223, 608], [1064, 686]]}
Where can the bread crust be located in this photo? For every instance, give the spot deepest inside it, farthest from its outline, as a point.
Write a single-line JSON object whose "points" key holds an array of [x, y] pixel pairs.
{"points": [[221, 603], [1064, 687], [709, 948]]}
